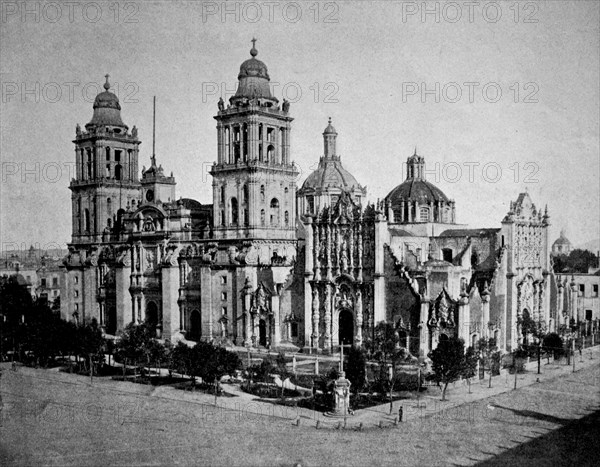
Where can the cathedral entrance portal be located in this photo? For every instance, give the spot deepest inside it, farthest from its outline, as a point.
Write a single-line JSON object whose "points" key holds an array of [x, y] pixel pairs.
{"points": [[262, 333], [195, 326], [152, 314], [111, 321], [346, 328]]}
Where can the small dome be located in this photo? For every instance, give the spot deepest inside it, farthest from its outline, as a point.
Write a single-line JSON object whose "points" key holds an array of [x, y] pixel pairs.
{"points": [[330, 174], [330, 130], [107, 110], [416, 190]]}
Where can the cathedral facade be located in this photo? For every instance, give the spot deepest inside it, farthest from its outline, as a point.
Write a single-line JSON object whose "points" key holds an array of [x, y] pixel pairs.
{"points": [[268, 264]]}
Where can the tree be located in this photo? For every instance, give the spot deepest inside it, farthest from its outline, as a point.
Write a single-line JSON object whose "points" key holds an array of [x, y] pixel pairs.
{"points": [[385, 344], [90, 345], [577, 261], [211, 363], [135, 343], [554, 344], [181, 359], [448, 362], [385, 348], [356, 368], [470, 365]]}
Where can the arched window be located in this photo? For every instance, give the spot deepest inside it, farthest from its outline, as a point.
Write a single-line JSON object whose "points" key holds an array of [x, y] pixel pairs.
{"points": [[222, 195], [424, 215], [227, 155], [130, 175], [236, 144], [262, 217], [118, 170], [447, 254], [310, 204], [222, 217], [109, 206], [246, 217], [274, 211], [285, 192], [262, 193], [234, 211], [89, 164], [270, 153], [86, 220], [260, 146], [280, 147], [107, 154], [286, 218], [245, 141], [245, 194]]}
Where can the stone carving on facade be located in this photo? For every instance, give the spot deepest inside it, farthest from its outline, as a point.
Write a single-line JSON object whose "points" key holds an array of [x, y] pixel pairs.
{"points": [[124, 257], [315, 316]]}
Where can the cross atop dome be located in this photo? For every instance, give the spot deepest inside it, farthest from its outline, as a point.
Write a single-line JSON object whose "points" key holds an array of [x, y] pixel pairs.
{"points": [[253, 50], [107, 84]]}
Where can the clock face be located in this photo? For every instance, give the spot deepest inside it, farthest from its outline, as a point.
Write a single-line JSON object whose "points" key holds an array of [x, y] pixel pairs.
{"points": [[149, 195]]}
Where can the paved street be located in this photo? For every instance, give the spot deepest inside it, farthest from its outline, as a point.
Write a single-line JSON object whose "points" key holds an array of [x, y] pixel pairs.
{"points": [[53, 418]]}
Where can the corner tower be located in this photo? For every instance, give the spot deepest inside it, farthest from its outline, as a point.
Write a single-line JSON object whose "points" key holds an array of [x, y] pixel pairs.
{"points": [[106, 179], [254, 179]]}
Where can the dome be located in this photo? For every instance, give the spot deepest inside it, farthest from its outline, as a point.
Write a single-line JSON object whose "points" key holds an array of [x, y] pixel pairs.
{"points": [[330, 174], [416, 190], [416, 200], [253, 79], [107, 110], [562, 240]]}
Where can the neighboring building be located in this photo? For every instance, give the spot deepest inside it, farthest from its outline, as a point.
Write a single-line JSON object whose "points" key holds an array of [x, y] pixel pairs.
{"points": [[39, 271], [578, 301], [266, 266], [562, 245]]}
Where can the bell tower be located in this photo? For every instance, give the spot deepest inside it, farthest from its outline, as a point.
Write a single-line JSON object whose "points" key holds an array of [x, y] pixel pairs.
{"points": [[254, 179], [106, 179]]}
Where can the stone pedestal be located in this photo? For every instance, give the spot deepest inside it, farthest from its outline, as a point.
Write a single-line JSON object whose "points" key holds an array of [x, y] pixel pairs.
{"points": [[341, 392]]}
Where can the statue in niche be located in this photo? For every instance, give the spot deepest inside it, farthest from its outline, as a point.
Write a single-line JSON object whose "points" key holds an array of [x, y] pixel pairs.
{"points": [[149, 224], [344, 257], [221, 104], [261, 298], [134, 131], [286, 105]]}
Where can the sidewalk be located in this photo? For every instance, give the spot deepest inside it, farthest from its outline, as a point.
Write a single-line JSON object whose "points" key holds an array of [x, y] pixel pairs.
{"points": [[458, 393]]}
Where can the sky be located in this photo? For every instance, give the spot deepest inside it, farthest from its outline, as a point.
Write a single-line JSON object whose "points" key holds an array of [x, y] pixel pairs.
{"points": [[498, 97]]}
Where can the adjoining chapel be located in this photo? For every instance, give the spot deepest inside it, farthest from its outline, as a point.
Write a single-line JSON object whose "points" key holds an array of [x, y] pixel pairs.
{"points": [[266, 263]]}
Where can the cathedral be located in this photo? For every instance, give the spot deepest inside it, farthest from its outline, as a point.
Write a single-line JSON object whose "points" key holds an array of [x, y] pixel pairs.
{"points": [[270, 264]]}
